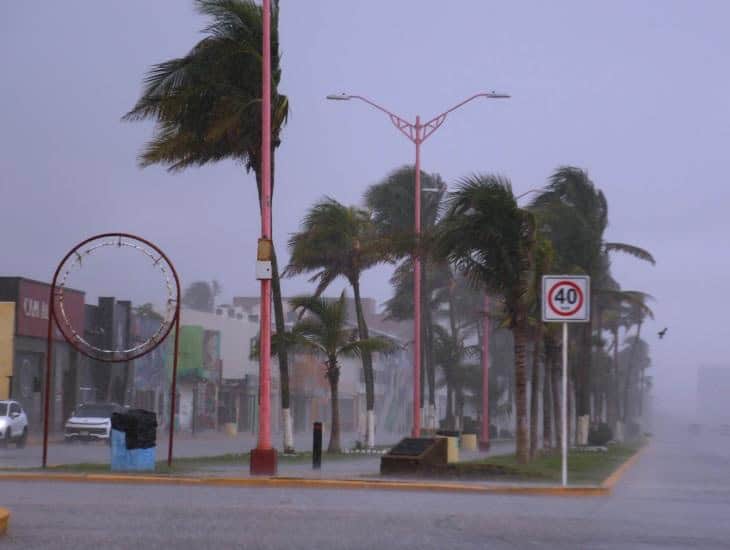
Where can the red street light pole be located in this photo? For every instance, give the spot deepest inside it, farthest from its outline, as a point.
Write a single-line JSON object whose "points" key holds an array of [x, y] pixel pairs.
{"points": [[263, 457], [417, 133]]}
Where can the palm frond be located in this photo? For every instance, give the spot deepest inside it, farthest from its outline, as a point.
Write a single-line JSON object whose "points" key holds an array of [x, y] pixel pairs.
{"points": [[631, 250]]}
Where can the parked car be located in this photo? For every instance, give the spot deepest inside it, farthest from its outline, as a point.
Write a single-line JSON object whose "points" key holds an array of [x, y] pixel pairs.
{"points": [[91, 422], [13, 424]]}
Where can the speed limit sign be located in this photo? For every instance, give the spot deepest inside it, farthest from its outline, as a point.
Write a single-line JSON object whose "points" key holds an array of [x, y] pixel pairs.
{"points": [[566, 298]]}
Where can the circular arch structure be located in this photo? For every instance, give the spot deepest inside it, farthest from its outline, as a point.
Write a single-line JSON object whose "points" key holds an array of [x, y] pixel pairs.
{"points": [[74, 260]]}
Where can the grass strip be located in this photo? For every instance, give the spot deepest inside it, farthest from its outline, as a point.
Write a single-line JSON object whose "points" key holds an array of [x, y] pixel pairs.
{"points": [[584, 467]]}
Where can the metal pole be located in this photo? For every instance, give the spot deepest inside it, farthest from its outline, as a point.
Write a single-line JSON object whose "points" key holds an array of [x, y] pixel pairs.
{"points": [[264, 440], [417, 289], [49, 349], [484, 443], [173, 388], [565, 405]]}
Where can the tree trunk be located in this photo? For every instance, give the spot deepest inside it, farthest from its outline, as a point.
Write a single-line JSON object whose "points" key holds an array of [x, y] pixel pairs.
{"points": [[431, 373], [583, 373], [282, 355], [630, 375], [547, 432], [522, 435], [449, 420], [535, 393], [367, 367], [555, 373], [333, 376], [613, 393]]}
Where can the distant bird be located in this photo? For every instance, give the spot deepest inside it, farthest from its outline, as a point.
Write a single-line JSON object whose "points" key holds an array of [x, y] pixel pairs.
{"points": [[661, 333]]}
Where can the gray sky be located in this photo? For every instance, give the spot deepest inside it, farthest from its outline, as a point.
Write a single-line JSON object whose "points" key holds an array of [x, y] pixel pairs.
{"points": [[636, 92]]}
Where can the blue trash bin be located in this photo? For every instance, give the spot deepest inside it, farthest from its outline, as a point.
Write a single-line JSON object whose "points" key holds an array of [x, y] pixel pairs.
{"points": [[120, 455], [133, 438]]}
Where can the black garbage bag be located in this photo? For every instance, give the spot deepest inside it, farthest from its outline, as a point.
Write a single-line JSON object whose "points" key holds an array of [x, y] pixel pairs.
{"points": [[120, 422], [141, 432]]}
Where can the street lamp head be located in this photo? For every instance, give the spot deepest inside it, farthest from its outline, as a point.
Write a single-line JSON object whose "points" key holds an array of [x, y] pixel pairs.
{"points": [[496, 95], [339, 97]]}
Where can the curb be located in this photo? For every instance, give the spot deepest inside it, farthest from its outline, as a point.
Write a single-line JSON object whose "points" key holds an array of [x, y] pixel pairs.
{"points": [[4, 520], [307, 483], [604, 489], [616, 476]]}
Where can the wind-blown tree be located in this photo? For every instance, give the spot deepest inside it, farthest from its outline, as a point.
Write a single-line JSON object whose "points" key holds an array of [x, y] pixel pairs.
{"points": [[542, 264], [392, 204], [207, 108], [638, 313], [340, 241], [574, 214], [451, 354], [617, 308], [200, 295], [324, 331], [491, 240]]}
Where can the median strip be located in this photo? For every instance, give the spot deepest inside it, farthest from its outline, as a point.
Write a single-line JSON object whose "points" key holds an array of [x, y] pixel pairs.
{"points": [[474, 487]]}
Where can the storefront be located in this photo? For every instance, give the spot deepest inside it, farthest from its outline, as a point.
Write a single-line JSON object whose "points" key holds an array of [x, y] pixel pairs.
{"points": [[27, 384]]}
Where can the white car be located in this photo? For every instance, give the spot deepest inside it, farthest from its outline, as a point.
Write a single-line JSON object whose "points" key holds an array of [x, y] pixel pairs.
{"points": [[13, 423], [91, 421]]}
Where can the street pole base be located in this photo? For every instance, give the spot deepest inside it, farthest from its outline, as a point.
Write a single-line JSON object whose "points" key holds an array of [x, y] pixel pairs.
{"points": [[484, 445], [263, 462]]}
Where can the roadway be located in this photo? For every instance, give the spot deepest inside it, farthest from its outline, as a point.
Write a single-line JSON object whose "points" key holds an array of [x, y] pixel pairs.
{"points": [[676, 496]]}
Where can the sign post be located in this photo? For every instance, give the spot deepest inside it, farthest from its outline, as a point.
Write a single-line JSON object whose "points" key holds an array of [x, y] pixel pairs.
{"points": [[565, 299]]}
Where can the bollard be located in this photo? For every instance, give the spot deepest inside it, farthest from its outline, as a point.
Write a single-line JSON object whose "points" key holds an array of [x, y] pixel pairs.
{"points": [[317, 446]]}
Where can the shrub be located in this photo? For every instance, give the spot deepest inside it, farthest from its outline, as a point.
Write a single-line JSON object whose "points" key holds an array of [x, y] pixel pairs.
{"points": [[600, 435]]}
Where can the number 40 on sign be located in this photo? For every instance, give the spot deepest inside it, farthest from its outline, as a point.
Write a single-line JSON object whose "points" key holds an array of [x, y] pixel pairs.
{"points": [[565, 298]]}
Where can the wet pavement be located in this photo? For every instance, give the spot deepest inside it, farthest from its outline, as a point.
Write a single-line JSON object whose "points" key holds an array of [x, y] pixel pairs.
{"points": [[676, 496]]}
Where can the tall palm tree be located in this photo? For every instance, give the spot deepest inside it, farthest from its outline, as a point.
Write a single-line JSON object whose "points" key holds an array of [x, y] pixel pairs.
{"points": [[340, 241], [324, 331], [574, 213], [618, 309], [207, 108], [542, 265], [638, 313], [392, 204], [489, 238]]}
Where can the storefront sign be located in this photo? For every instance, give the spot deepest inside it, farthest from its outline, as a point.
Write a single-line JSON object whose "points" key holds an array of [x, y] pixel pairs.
{"points": [[33, 309]]}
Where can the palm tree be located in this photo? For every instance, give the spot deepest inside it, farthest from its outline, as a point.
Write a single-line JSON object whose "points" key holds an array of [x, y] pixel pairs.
{"points": [[392, 204], [207, 108], [542, 264], [574, 214], [638, 313], [336, 240], [492, 241], [618, 307], [324, 331]]}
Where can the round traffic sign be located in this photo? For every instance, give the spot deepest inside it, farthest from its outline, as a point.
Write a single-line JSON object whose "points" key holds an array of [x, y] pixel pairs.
{"points": [[565, 298]]}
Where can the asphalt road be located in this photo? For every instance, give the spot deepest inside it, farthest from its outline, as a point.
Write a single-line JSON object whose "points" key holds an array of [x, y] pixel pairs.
{"points": [[676, 496]]}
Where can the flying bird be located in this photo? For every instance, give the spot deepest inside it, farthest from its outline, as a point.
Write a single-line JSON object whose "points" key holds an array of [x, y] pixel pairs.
{"points": [[661, 333]]}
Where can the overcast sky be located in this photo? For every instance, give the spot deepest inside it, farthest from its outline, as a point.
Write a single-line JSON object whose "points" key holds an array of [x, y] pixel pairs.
{"points": [[635, 92]]}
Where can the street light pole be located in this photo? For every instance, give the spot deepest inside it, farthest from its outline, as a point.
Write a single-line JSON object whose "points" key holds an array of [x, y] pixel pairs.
{"points": [[417, 133], [263, 457]]}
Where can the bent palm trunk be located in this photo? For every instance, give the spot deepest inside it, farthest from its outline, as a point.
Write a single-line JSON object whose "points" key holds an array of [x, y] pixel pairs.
{"points": [[547, 434], [367, 367], [520, 341], [333, 378], [535, 395]]}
